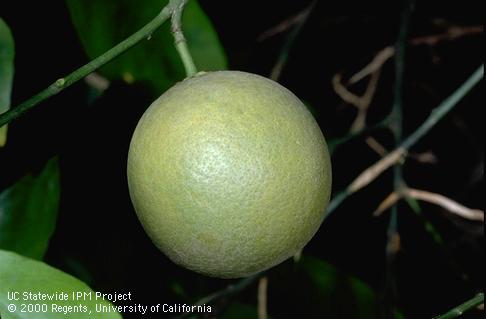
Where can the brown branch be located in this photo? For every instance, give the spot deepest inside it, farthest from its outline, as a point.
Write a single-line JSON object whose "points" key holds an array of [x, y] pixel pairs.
{"points": [[388, 202], [375, 170], [433, 198], [376, 146], [262, 298], [437, 113], [284, 53], [425, 157], [393, 244], [362, 102], [452, 33], [346, 95], [283, 26], [374, 65], [446, 203]]}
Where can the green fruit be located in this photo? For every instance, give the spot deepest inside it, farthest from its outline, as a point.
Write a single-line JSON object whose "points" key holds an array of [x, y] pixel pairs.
{"points": [[229, 174]]}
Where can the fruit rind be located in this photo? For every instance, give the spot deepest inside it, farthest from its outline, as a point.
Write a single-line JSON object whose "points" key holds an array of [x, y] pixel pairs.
{"points": [[229, 173]]}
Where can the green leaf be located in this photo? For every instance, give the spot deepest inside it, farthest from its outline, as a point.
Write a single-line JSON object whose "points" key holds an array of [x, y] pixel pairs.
{"points": [[103, 23], [7, 52], [23, 275], [338, 292], [28, 212]]}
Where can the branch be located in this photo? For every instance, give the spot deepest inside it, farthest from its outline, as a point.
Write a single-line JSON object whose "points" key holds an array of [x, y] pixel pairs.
{"points": [[375, 170], [226, 292], [462, 308], [388, 202], [371, 173], [433, 198], [284, 54], [440, 111], [262, 298], [446, 203], [453, 33], [362, 102], [395, 124], [174, 9], [374, 65]]}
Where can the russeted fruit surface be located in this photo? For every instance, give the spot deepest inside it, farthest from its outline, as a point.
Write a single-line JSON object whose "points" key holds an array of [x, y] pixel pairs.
{"points": [[229, 173]]}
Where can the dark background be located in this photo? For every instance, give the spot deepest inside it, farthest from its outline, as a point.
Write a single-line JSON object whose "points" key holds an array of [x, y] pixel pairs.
{"points": [[98, 237]]}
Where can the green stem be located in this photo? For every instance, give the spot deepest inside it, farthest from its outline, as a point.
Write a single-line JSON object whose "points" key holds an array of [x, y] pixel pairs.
{"points": [[179, 39], [437, 114], [396, 127], [440, 111], [462, 308], [86, 69], [173, 9]]}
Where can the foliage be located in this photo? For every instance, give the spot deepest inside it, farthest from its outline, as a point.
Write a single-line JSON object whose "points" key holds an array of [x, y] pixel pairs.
{"points": [[155, 61], [28, 212], [6, 73], [23, 275]]}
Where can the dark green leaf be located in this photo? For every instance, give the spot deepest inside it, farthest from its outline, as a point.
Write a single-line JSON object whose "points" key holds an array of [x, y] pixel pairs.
{"points": [[340, 293], [23, 275], [6, 73], [28, 212], [103, 23]]}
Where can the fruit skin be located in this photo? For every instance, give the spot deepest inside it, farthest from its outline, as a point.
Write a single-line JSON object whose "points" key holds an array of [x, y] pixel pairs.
{"points": [[229, 173]]}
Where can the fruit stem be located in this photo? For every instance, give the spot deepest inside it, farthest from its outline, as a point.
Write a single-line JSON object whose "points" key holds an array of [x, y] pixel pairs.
{"points": [[177, 7]]}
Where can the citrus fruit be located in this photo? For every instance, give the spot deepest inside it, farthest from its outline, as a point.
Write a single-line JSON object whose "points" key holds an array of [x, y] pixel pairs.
{"points": [[229, 173]]}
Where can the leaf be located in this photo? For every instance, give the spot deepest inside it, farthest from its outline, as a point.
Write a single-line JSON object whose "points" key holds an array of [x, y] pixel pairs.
{"points": [[28, 212], [340, 293], [23, 275], [101, 24], [6, 73]]}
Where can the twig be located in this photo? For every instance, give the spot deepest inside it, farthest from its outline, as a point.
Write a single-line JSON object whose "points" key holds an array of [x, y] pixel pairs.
{"points": [[425, 157], [262, 298], [362, 102], [395, 124], [284, 25], [334, 143], [453, 33], [284, 53], [388, 202], [376, 146], [174, 9], [446, 203], [368, 175], [440, 111], [375, 170], [433, 198], [374, 65], [225, 292], [462, 308]]}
